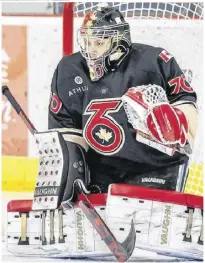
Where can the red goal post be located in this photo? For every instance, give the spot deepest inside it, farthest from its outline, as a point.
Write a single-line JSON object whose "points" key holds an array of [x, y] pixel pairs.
{"points": [[177, 27]]}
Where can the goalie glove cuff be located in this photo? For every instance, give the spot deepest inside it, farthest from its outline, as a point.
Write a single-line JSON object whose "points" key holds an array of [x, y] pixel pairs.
{"points": [[168, 125], [184, 126]]}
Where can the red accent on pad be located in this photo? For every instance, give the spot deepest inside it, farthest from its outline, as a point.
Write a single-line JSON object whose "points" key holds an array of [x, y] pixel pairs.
{"points": [[95, 199], [26, 205], [124, 190], [19, 206], [157, 195]]}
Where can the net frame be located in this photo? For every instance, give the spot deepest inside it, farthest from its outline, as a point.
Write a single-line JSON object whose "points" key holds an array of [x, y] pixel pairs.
{"points": [[147, 11]]}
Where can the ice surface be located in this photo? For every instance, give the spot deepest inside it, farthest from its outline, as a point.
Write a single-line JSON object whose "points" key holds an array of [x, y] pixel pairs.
{"points": [[9, 258]]}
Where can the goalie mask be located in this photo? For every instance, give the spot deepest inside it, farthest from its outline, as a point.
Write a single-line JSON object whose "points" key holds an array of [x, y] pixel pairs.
{"points": [[104, 41]]}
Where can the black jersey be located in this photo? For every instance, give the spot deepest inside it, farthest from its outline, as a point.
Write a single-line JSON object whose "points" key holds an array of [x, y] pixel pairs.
{"points": [[96, 107]]}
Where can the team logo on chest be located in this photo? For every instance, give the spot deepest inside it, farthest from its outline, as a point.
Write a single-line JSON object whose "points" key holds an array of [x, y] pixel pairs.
{"points": [[101, 131]]}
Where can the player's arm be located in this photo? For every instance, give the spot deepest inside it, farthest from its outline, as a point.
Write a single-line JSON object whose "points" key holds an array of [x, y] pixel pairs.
{"points": [[67, 121], [60, 117], [163, 113], [169, 109], [179, 91]]}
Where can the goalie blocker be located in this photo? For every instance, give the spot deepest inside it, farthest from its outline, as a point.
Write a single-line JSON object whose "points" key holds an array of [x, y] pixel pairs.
{"points": [[62, 168], [167, 223]]}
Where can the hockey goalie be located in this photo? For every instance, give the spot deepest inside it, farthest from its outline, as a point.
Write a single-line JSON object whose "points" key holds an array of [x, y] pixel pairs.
{"points": [[113, 163]]}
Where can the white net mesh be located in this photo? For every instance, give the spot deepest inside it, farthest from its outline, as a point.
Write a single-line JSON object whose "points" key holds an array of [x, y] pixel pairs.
{"points": [[178, 28], [147, 10]]}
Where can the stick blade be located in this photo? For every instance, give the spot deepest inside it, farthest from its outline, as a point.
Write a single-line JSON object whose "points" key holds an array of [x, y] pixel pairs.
{"points": [[129, 243], [122, 251]]}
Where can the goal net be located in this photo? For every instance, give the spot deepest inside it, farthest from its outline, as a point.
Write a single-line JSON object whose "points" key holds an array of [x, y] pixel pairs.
{"points": [[177, 27]]}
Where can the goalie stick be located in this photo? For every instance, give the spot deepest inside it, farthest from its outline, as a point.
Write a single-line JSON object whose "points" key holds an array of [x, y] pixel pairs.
{"points": [[122, 251]]}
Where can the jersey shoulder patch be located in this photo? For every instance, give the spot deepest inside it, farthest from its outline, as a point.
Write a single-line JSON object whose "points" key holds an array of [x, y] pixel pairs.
{"points": [[55, 103], [165, 55]]}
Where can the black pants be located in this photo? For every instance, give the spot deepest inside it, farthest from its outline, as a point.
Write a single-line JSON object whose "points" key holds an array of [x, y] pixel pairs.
{"points": [[168, 178]]}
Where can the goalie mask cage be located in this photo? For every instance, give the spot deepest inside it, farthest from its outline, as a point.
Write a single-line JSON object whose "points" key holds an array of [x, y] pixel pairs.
{"points": [[177, 27]]}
